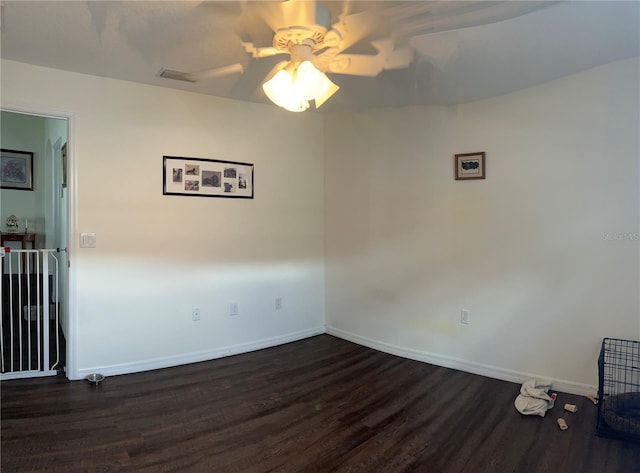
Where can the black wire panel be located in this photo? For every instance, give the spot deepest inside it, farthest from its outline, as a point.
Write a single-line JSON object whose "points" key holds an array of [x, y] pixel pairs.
{"points": [[619, 389]]}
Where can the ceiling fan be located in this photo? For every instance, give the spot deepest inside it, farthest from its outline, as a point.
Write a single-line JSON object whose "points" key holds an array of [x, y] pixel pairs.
{"points": [[351, 37], [303, 30]]}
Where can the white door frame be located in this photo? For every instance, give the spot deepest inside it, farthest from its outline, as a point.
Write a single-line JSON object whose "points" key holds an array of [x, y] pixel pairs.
{"points": [[71, 367]]}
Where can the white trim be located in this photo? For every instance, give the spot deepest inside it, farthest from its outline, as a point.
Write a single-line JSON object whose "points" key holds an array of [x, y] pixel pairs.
{"points": [[195, 357], [463, 365], [71, 364], [71, 359]]}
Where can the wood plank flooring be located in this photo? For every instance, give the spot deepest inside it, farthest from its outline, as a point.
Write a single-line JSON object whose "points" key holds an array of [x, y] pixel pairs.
{"points": [[317, 405]]}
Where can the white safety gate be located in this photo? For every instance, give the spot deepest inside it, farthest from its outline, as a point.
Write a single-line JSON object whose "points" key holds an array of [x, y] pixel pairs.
{"points": [[30, 312]]}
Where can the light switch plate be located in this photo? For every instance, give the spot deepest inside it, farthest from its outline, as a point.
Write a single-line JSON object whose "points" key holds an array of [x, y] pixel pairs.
{"points": [[87, 240]]}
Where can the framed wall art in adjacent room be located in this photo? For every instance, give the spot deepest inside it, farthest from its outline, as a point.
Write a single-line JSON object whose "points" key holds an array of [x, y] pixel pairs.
{"points": [[207, 177], [16, 170], [470, 166]]}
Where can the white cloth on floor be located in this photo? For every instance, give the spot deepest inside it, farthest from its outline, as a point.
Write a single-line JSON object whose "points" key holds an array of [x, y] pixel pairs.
{"points": [[534, 398]]}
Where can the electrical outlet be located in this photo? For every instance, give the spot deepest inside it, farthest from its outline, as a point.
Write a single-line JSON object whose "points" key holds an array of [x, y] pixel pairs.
{"points": [[233, 309], [465, 317], [278, 303], [195, 314]]}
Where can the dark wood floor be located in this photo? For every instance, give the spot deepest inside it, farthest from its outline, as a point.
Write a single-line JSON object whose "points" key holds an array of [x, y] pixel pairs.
{"points": [[317, 405]]}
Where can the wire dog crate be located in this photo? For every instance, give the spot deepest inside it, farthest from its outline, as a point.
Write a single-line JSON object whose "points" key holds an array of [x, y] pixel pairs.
{"points": [[619, 389]]}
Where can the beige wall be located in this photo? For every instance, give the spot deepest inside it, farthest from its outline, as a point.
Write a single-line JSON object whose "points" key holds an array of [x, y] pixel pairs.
{"points": [[544, 252]]}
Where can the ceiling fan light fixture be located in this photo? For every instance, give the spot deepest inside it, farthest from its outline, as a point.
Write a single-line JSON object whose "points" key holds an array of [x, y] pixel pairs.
{"points": [[281, 90], [308, 79], [295, 85], [325, 90]]}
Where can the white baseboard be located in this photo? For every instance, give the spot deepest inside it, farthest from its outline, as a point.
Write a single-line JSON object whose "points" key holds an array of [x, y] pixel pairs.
{"points": [[463, 365], [158, 363], [418, 355]]}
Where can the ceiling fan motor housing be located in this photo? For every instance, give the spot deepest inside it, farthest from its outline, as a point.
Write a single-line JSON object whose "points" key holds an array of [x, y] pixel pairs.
{"points": [[312, 35]]}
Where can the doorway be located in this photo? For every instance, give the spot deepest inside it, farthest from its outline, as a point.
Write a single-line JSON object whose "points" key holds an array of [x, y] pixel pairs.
{"points": [[39, 210]]}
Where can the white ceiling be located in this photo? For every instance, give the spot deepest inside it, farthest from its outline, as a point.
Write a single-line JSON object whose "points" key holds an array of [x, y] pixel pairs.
{"points": [[465, 51]]}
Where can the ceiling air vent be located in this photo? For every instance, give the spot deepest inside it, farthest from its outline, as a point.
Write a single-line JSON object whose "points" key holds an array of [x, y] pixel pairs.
{"points": [[176, 75]]}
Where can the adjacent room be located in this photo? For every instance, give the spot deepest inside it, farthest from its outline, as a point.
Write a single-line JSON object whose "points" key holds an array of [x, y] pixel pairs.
{"points": [[319, 236]]}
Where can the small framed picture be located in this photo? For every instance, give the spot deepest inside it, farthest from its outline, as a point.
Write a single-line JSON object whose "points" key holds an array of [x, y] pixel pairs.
{"points": [[470, 166], [16, 170]]}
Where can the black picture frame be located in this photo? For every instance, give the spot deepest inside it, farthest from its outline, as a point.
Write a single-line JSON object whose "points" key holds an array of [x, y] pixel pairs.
{"points": [[16, 169], [201, 177]]}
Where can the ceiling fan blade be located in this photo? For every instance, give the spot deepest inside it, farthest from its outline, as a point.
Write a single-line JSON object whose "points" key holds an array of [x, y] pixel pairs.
{"points": [[393, 57], [417, 18], [285, 14], [224, 9], [242, 17], [253, 77], [201, 75], [273, 14], [299, 12], [356, 65], [388, 57], [351, 29], [261, 52], [400, 58]]}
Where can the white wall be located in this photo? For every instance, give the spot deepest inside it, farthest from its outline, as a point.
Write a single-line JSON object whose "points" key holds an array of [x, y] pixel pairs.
{"points": [[157, 256], [544, 252]]}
